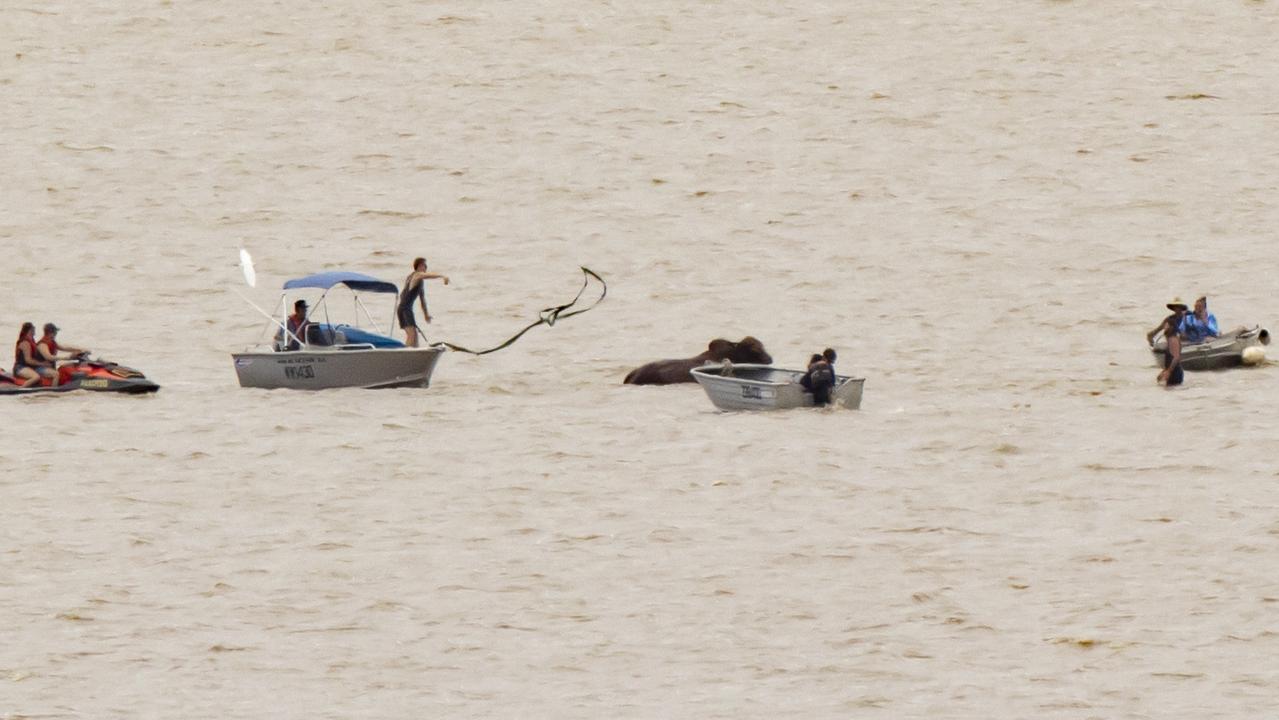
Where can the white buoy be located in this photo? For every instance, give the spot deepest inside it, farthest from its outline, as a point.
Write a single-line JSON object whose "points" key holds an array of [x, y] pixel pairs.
{"points": [[1253, 355]]}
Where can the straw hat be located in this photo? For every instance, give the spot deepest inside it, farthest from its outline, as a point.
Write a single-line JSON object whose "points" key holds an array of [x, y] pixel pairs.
{"points": [[1177, 302]]}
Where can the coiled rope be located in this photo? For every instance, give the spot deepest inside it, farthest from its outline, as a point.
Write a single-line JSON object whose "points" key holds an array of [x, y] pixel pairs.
{"points": [[547, 316]]}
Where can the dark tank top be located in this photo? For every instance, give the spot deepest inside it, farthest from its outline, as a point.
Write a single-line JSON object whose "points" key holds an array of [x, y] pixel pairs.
{"points": [[18, 361], [408, 296]]}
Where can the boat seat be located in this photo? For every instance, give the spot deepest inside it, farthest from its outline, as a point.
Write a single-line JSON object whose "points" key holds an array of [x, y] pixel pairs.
{"points": [[319, 335]]}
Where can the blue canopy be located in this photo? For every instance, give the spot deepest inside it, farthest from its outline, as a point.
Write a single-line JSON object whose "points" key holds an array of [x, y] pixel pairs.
{"points": [[356, 281]]}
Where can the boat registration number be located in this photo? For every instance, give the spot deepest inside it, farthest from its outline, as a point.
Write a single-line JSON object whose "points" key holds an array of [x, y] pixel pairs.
{"points": [[750, 392], [299, 372]]}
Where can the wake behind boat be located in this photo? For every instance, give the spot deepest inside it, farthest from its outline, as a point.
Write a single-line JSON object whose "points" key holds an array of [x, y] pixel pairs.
{"points": [[764, 387], [323, 355]]}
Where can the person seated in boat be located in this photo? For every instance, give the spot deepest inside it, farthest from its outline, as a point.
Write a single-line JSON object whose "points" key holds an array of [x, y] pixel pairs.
{"points": [[820, 378], [28, 368], [1172, 374], [1178, 316], [415, 289], [807, 380], [296, 324], [827, 356], [1200, 325], [48, 349]]}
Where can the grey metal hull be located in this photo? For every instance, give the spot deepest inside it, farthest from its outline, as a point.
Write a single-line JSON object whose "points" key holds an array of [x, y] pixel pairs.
{"points": [[761, 387], [313, 369], [1223, 352]]}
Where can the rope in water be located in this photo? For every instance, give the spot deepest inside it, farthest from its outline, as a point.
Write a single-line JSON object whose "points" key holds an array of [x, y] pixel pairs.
{"points": [[547, 316]]}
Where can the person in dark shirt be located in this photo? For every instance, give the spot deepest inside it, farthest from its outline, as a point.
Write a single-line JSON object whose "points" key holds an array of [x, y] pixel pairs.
{"points": [[415, 289], [820, 378], [1172, 373], [807, 380]]}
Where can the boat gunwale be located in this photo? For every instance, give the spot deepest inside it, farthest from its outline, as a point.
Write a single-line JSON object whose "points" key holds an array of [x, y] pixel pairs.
{"points": [[267, 351], [701, 370]]}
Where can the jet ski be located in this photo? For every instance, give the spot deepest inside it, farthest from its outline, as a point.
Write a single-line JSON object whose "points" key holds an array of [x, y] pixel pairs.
{"points": [[83, 373]]}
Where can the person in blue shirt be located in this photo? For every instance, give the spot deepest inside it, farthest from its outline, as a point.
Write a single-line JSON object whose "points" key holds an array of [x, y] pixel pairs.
{"points": [[1200, 324]]}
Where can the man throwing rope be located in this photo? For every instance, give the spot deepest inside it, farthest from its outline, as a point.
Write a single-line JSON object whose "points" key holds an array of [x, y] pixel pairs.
{"points": [[415, 288]]}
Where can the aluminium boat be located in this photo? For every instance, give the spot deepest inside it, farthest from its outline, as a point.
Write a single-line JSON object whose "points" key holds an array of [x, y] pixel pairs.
{"points": [[335, 355], [764, 387]]}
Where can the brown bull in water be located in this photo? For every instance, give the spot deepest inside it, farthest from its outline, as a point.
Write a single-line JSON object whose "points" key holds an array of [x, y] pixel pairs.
{"points": [[667, 372]]}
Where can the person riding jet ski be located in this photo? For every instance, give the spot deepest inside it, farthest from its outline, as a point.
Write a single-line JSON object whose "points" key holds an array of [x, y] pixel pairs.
{"points": [[47, 349], [28, 368]]}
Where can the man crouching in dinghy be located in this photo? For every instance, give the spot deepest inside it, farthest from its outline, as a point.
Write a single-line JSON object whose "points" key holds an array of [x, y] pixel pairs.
{"points": [[1199, 325]]}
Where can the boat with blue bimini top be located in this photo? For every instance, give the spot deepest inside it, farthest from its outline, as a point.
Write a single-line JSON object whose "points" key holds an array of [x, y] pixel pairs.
{"points": [[764, 387], [319, 353]]}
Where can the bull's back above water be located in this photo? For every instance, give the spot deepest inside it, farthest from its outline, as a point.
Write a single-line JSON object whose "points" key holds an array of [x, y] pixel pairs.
{"points": [[668, 372]]}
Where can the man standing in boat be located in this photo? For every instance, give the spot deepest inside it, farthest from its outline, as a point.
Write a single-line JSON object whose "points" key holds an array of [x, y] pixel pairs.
{"points": [[415, 288]]}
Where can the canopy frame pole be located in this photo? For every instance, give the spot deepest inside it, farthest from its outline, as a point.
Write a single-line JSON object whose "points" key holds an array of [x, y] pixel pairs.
{"points": [[270, 319], [324, 303], [361, 306]]}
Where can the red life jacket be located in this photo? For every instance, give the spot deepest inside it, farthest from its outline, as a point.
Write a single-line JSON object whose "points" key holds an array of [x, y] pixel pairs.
{"points": [[298, 325], [46, 340], [18, 359]]}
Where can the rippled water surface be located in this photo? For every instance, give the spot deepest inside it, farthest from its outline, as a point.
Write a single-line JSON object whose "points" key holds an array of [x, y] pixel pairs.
{"points": [[981, 205]]}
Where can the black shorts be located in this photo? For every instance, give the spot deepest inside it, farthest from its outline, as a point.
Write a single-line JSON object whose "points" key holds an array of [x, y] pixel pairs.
{"points": [[405, 315]]}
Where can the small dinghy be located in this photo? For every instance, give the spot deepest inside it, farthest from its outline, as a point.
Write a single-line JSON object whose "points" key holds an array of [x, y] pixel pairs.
{"points": [[763, 387], [1237, 347]]}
